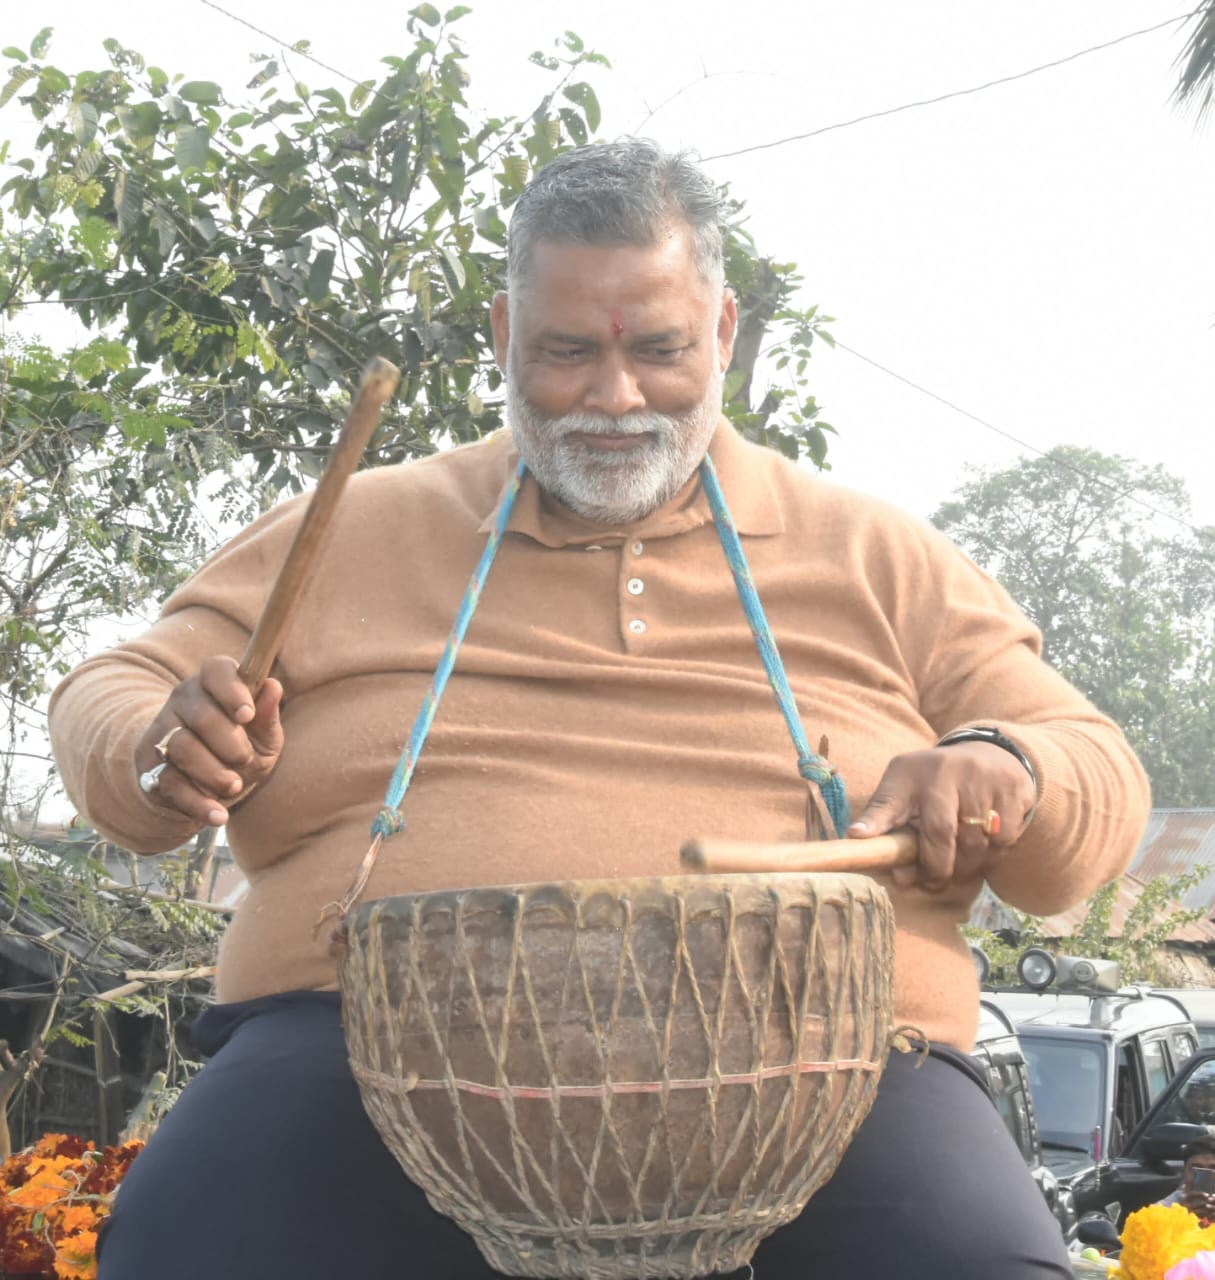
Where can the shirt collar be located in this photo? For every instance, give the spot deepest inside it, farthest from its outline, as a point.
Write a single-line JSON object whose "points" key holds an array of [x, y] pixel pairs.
{"points": [[744, 470]]}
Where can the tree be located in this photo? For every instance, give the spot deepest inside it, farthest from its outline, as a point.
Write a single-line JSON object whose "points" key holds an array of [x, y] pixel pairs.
{"points": [[1196, 87], [1099, 553]]}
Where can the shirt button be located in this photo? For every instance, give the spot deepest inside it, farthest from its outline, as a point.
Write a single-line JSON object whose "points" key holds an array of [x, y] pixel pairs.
{"points": [[637, 548], [637, 627], [634, 586]]}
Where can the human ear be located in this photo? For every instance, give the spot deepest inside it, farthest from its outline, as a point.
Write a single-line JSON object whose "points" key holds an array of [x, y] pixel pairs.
{"points": [[727, 326], [499, 320]]}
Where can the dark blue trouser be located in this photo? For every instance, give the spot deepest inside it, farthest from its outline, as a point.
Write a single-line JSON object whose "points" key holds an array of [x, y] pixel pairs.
{"points": [[268, 1169]]}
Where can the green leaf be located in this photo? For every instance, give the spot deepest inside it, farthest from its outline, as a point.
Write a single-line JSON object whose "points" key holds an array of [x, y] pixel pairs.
{"points": [[514, 168], [83, 119], [573, 125], [128, 202], [95, 234], [733, 384], [400, 175], [319, 275], [453, 270], [41, 42], [192, 147], [200, 91], [582, 95], [13, 52], [143, 428], [454, 15], [426, 13], [140, 123], [17, 77]]}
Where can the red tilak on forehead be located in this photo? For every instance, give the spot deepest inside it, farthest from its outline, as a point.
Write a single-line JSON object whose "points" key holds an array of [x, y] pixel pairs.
{"points": [[616, 321]]}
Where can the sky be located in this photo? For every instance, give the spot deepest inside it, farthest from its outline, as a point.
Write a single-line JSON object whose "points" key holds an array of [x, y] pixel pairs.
{"points": [[1036, 253]]}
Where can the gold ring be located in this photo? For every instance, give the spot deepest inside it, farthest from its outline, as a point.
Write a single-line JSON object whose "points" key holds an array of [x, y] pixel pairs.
{"points": [[162, 747], [990, 822]]}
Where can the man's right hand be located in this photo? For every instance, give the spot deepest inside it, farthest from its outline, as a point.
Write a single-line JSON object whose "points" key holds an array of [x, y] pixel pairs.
{"points": [[220, 742]]}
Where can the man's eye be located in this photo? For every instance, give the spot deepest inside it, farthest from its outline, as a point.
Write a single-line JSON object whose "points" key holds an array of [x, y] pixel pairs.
{"points": [[664, 353], [567, 353]]}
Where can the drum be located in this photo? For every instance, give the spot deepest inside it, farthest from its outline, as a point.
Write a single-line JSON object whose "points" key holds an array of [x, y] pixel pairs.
{"points": [[621, 1078]]}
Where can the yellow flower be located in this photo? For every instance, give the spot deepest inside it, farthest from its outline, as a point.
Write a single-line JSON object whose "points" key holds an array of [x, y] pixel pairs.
{"points": [[1155, 1238], [76, 1257]]}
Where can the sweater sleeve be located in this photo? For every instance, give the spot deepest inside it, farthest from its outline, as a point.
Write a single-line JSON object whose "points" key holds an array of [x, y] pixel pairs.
{"points": [[100, 710], [983, 666]]}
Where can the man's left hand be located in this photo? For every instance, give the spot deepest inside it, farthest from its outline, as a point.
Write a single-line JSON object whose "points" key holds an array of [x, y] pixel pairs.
{"points": [[934, 791]]}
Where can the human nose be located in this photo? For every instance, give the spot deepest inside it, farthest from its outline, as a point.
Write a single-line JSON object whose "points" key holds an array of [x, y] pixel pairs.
{"points": [[614, 389]]}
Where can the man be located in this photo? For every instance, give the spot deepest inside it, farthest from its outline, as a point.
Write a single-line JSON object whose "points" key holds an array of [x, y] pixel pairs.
{"points": [[607, 705], [1199, 1200]]}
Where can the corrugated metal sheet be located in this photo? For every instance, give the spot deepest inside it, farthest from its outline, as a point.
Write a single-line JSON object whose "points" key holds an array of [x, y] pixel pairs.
{"points": [[1177, 841], [1063, 925], [990, 913]]}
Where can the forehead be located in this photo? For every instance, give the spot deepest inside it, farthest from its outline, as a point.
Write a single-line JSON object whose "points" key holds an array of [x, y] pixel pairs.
{"points": [[584, 281]]}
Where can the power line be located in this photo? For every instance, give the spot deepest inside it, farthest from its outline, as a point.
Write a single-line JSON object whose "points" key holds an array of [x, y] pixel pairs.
{"points": [[1025, 444], [944, 97], [286, 44]]}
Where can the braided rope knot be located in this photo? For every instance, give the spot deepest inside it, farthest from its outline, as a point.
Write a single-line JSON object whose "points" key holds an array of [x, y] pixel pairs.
{"points": [[388, 822], [815, 769]]}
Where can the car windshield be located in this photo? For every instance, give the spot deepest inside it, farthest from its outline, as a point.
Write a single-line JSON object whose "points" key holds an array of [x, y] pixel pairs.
{"points": [[1066, 1078]]}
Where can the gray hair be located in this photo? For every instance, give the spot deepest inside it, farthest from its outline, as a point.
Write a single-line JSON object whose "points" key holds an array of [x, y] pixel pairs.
{"points": [[617, 193]]}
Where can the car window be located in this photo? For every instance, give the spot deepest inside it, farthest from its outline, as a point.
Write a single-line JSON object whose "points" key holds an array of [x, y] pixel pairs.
{"points": [[1066, 1078], [1206, 1037], [1194, 1102], [1009, 1090], [1183, 1048], [1156, 1065]]}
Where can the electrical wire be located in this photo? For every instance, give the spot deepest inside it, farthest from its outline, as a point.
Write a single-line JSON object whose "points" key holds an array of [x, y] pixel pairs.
{"points": [[944, 97], [1024, 444]]}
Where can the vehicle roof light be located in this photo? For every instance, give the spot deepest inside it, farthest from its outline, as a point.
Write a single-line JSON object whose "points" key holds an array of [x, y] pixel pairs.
{"points": [[1036, 968]]}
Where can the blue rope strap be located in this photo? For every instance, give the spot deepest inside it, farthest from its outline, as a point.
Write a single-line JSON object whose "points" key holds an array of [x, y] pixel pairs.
{"points": [[389, 820], [811, 766]]}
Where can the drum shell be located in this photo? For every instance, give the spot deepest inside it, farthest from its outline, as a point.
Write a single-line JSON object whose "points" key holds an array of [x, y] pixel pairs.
{"points": [[621, 1078]]}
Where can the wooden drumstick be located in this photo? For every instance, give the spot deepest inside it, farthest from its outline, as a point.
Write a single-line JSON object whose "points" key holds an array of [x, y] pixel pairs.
{"points": [[379, 381], [878, 853]]}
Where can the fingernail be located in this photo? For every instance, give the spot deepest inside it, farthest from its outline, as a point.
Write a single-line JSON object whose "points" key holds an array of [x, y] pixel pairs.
{"points": [[859, 825], [236, 788], [244, 714], [217, 817]]}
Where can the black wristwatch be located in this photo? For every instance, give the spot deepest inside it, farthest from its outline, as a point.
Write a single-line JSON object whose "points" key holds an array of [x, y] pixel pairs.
{"points": [[997, 739]]}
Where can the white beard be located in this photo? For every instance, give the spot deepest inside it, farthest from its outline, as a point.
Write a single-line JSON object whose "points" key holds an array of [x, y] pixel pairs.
{"points": [[607, 486]]}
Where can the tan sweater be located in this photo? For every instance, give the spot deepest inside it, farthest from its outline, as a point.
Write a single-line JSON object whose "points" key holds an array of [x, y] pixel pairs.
{"points": [[608, 705]]}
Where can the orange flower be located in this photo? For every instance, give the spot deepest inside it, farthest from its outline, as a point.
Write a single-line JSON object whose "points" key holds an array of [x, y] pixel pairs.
{"points": [[70, 1218], [76, 1257], [1158, 1236]]}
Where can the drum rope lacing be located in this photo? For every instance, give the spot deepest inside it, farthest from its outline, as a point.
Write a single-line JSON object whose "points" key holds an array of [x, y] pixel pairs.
{"points": [[811, 766]]}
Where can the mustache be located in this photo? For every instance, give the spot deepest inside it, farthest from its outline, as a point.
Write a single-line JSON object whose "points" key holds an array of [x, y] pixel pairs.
{"points": [[594, 424]]}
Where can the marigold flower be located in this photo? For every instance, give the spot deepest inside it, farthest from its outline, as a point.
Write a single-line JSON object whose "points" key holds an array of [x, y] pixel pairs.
{"points": [[76, 1257], [1159, 1236], [70, 1218]]}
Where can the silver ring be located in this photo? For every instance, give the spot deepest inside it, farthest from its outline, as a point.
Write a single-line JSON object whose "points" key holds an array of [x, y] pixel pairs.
{"points": [[150, 781], [162, 747]]}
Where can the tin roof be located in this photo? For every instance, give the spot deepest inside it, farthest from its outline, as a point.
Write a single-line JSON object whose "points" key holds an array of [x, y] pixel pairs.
{"points": [[1177, 841], [1065, 923]]}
